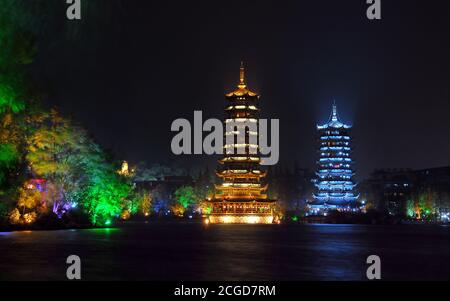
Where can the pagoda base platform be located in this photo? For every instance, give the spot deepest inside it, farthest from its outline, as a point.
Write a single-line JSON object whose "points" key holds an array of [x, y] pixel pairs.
{"points": [[240, 219], [242, 212]]}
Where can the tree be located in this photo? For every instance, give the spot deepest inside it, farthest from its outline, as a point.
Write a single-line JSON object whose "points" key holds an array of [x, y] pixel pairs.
{"points": [[53, 153], [18, 49], [204, 187], [178, 209], [14, 217], [425, 204], [205, 207], [104, 196], [103, 192], [185, 196], [75, 168], [77, 171], [410, 208], [145, 204], [8, 158], [29, 199]]}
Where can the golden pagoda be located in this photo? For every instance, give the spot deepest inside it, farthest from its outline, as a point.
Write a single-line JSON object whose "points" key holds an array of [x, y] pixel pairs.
{"points": [[241, 197]]}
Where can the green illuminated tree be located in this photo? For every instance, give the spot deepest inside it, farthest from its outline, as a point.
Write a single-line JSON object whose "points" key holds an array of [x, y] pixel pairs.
{"points": [[8, 157], [425, 204], [185, 196], [17, 49], [105, 195], [75, 168]]}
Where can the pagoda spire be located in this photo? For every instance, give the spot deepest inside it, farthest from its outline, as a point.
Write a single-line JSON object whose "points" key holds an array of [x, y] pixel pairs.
{"points": [[334, 114], [242, 84]]}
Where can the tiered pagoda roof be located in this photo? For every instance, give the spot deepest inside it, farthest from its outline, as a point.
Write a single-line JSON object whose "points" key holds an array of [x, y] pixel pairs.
{"points": [[334, 182]]}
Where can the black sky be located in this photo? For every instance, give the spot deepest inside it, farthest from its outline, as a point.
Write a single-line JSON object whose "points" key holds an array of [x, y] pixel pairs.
{"points": [[127, 76]]}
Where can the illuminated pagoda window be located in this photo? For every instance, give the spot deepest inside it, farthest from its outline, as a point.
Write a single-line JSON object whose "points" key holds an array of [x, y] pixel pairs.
{"points": [[334, 182], [241, 197]]}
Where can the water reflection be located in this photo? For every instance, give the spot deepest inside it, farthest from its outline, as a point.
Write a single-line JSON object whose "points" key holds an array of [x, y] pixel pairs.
{"points": [[177, 251]]}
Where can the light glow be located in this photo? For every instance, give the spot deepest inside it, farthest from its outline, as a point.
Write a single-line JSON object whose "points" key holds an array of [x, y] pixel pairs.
{"points": [[241, 219]]}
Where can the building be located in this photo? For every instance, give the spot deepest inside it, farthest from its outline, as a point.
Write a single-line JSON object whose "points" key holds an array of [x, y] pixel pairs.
{"points": [[292, 187], [437, 181], [241, 196], [334, 182], [388, 189], [437, 177], [399, 191], [162, 189]]}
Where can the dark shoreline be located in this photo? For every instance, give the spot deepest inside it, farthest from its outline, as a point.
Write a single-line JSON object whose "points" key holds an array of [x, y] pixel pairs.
{"points": [[124, 224]]}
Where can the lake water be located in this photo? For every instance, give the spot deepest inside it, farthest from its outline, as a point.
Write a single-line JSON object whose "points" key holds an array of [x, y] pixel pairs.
{"points": [[192, 251]]}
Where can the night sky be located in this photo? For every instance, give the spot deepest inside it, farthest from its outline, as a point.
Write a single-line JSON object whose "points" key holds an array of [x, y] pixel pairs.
{"points": [[134, 66]]}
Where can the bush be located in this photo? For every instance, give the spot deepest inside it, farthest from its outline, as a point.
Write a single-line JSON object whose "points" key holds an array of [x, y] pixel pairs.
{"points": [[76, 218], [48, 221]]}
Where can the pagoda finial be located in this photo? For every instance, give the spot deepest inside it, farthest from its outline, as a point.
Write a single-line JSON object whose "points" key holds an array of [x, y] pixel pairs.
{"points": [[334, 115], [242, 84]]}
